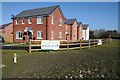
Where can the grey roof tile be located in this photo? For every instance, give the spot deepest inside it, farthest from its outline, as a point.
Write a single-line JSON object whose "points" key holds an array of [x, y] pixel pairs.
{"points": [[70, 21], [85, 26], [79, 23], [36, 12], [5, 25]]}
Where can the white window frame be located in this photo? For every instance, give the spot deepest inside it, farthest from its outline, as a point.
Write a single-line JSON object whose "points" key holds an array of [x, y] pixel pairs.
{"points": [[60, 34], [41, 35], [39, 20], [29, 20], [16, 21], [17, 34], [60, 22], [75, 36], [52, 20], [52, 34], [23, 21]]}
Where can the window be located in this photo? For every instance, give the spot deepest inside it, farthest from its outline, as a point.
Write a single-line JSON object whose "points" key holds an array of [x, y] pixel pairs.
{"points": [[39, 20], [60, 22], [52, 34], [23, 20], [16, 21], [52, 20], [29, 20], [18, 35], [60, 34], [74, 35], [39, 35], [75, 26]]}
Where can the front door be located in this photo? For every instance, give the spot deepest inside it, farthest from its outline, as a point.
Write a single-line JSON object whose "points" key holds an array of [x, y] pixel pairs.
{"points": [[29, 36]]}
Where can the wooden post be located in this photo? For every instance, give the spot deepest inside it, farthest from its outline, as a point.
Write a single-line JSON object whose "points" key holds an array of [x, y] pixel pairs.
{"points": [[89, 43], [107, 41], [67, 43], [80, 43], [30, 46], [94, 42]]}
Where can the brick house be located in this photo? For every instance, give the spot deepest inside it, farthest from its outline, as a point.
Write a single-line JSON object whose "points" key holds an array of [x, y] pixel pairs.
{"points": [[6, 31], [85, 32], [39, 24], [79, 31], [71, 28]]}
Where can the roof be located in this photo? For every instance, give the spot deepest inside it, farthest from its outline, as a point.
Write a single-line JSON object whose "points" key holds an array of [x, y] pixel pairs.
{"points": [[5, 25], [37, 12], [79, 23], [85, 26], [70, 21]]}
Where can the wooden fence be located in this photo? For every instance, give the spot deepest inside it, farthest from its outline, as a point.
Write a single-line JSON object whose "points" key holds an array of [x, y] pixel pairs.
{"points": [[66, 45]]}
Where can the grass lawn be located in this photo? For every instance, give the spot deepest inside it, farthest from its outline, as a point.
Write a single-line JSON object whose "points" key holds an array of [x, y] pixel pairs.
{"points": [[96, 62]]}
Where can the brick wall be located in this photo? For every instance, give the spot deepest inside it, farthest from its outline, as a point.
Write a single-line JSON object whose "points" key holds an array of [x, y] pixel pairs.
{"points": [[9, 33]]}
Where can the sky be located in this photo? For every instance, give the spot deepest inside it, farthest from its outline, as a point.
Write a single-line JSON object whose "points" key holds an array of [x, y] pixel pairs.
{"points": [[99, 15]]}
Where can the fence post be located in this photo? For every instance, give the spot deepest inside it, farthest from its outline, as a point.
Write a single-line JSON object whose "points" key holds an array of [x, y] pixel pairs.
{"points": [[80, 43], [107, 40], [94, 42], [67, 43], [30, 46], [89, 43]]}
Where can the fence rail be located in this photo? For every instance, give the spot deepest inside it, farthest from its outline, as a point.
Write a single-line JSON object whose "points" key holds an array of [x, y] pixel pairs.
{"points": [[66, 45]]}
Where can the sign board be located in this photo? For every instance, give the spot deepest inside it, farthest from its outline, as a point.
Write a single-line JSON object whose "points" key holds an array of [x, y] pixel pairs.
{"points": [[50, 45], [99, 42]]}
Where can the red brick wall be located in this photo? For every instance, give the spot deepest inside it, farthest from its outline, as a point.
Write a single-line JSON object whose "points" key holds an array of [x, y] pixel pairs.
{"points": [[9, 33], [72, 30], [68, 28], [35, 27], [55, 27], [79, 33]]}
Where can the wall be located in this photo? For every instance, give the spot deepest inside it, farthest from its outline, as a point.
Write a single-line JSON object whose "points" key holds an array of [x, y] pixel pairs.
{"points": [[9, 33], [55, 27]]}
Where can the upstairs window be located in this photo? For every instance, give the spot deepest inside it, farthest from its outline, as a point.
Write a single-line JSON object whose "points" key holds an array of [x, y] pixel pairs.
{"points": [[52, 20], [75, 26], [60, 34], [16, 21], [39, 20], [19, 35], [29, 20], [39, 34], [60, 22], [74, 35], [23, 21]]}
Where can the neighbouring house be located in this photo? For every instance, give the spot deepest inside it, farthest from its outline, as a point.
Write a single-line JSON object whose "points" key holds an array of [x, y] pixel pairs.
{"points": [[6, 31], [85, 32], [2, 31], [79, 31], [71, 29], [39, 24]]}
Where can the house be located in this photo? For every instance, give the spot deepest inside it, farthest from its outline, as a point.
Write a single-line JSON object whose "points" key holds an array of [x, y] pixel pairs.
{"points": [[6, 31], [85, 32], [39, 24], [2, 31], [79, 31], [71, 29]]}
